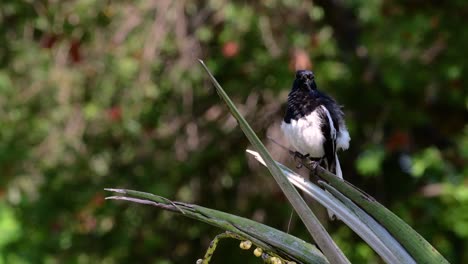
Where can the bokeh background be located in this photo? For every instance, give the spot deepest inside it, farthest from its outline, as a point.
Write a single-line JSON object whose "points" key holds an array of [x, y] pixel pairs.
{"points": [[97, 94]]}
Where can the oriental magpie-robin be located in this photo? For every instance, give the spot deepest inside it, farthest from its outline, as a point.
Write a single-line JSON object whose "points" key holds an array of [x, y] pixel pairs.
{"points": [[314, 123]]}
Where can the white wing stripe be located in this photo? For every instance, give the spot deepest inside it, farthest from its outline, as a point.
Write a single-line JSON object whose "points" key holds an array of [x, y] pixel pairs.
{"points": [[330, 122]]}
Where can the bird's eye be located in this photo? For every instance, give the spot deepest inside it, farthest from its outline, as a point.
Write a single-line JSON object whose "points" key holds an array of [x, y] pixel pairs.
{"points": [[304, 75], [299, 74]]}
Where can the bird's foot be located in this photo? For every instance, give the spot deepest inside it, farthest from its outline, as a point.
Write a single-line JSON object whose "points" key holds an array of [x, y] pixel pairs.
{"points": [[299, 158], [314, 165]]}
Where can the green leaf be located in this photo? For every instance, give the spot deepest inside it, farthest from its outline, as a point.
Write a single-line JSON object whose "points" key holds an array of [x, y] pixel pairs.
{"points": [[421, 250], [369, 162], [315, 228], [354, 217], [266, 237]]}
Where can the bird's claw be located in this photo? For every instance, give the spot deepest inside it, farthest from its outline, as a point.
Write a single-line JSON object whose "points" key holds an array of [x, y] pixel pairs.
{"points": [[299, 158], [314, 166]]}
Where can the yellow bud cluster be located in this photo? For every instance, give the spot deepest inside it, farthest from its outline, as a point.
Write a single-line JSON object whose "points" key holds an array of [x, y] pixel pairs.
{"points": [[258, 252], [245, 244], [275, 260]]}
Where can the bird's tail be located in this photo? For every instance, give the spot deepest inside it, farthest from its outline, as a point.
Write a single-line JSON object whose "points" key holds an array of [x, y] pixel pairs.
{"points": [[337, 171], [332, 165]]}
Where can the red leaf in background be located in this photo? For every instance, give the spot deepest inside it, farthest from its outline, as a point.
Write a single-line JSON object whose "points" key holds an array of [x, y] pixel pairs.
{"points": [[98, 200], [230, 49], [74, 51], [48, 40], [114, 113], [397, 141], [300, 60]]}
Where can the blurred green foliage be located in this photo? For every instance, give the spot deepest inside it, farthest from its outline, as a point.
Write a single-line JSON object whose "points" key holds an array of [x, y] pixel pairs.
{"points": [[101, 94]]}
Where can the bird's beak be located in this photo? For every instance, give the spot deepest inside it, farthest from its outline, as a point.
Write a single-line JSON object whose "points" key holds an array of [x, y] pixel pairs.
{"points": [[309, 84]]}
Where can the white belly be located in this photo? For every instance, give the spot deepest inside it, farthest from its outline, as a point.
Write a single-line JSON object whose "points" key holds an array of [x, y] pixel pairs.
{"points": [[305, 135]]}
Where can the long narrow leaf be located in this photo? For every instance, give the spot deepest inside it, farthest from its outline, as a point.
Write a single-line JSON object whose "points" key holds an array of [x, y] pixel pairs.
{"points": [[383, 244], [268, 238], [315, 228], [397, 250], [421, 250]]}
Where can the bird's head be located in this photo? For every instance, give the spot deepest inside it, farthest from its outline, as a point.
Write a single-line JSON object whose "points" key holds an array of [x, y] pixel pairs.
{"points": [[305, 80]]}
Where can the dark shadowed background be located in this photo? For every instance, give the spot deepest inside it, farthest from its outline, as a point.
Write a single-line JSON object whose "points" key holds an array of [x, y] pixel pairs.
{"points": [[97, 94]]}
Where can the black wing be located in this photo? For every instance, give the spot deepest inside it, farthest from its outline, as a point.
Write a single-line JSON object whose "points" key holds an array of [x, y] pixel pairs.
{"points": [[329, 145]]}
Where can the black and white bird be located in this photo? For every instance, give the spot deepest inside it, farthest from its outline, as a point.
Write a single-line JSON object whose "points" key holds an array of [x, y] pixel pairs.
{"points": [[314, 123]]}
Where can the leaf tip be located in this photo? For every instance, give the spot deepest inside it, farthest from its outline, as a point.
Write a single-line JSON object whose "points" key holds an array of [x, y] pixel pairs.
{"points": [[112, 198], [257, 156], [115, 190]]}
